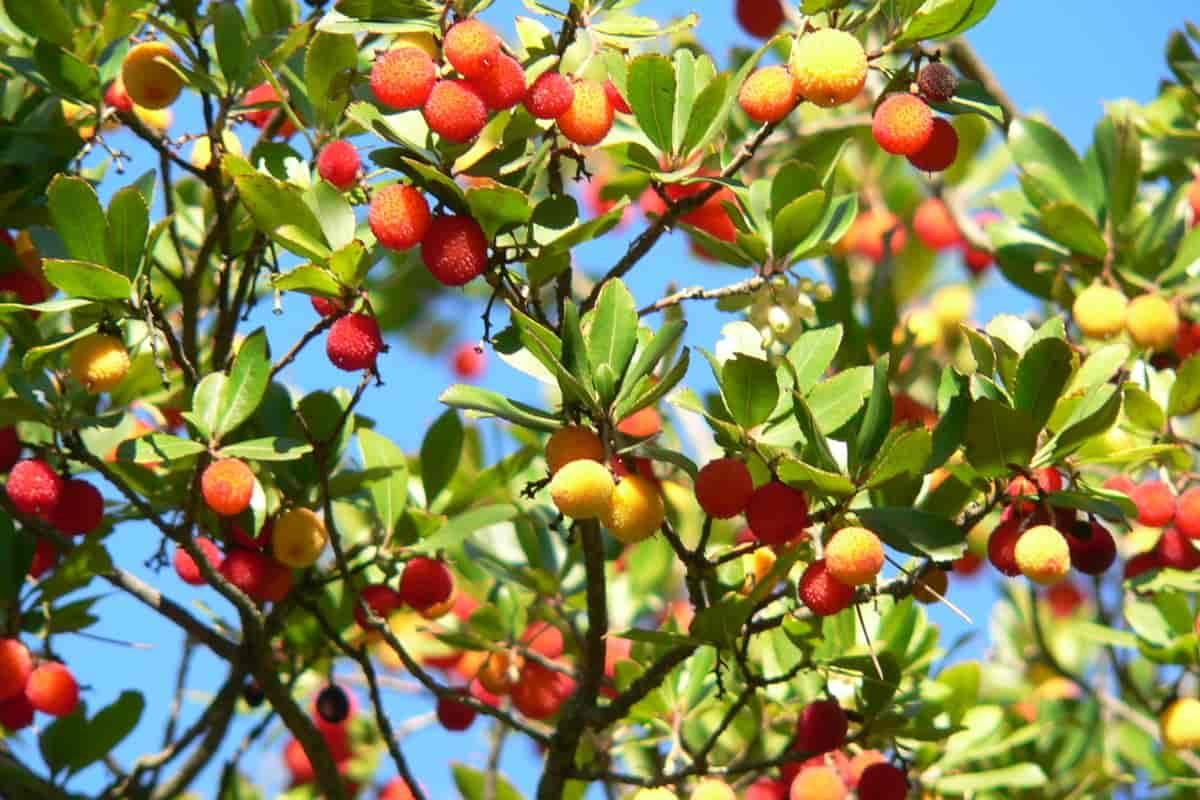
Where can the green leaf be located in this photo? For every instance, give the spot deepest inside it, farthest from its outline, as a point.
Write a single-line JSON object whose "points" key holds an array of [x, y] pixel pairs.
{"points": [[1043, 154], [88, 280], [1071, 226], [454, 532], [972, 98], [998, 436], [329, 72], [1119, 150], [441, 451], [1042, 374], [611, 337], [235, 53], [1185, 391], [350, 264], [206, 404], [128, 224], [796, 221], [78, 219], [663, 342], [916, 532], [247, 384], [902, 453], [750, 389], [310, 279], [47, 20], [157, 448], [487, 403], [335, 215], [267, 448], [954, 403], [652, 98], [1095, 415], [108, 729], [66, 74], [1142, 410], [878, 416], [59, 741], [813, 479], [706, 109], [472, 785], [687, 74], [941, 19], [498, 208], [279, 211], [389, 491], [34, 355], [835, 402], [16, 554], [812, 354]]}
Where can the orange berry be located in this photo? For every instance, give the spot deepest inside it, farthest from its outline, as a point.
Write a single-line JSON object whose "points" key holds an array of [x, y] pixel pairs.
{"points": [[642, 424], [902, 124], [823, 594], [636, 509], [590, 116], [261, 117], [830, 67], [939, 151], [540, 691], [339, 164], [186, 567], [543, 638], [724, 487], [818, 783], [454, 250], [935, 227], [1155, 503], [854, 556], [874, 232], [1194, 199], [149, 77], [472, 47], [769, 94], [399, 216], [16, 665], [227, 486], [455, 110], [1187, 512], [403, 78], [52, 689], [494, 672], [572, 443]]}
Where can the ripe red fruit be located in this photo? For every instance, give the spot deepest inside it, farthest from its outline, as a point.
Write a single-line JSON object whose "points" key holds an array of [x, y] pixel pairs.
{"points": [[186, 567], [1143, 562], [873, 233], [540, 691], [116, 97], [1155, 503], [1094, 553], [941, 149], [1176, 550], [277, 582], [615, 98], [1002, 546], [821, 728], [934, 226], [425, 583], [52, 689], [902, 124], [261, 118], [823, 594], [399, 216], [968, 565], [403, 78], [227, 486], [338, 163], [454, 715], [977, 261], [550, 95], [472, 47], [1120, 483], [381, 599], [882, 782], [724, 487], [1187, 512], [469, 361], [326, 306], [16, 713], [544, 639], [354, 342], [769, 94], [766, 789], [247, 570], [34, 487], [10, 448], [297, 763], [642, 424], [455, 110], [25, 287], [937, 82], [15, 667], [80, 509], [396, 789], [760, 18], [503, 85], [45, 556], [590, 116], [777, 513], [1047, 480], [455, 250], [1064, 598]]}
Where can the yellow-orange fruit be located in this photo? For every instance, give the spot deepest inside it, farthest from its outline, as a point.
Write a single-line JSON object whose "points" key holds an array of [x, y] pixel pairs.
{"points": [[758, 566], [298, 538], [931, 586], [227, 486], [769, 94], [156, 119], [74, 114], [495, 673], [590, 117], [902, 124], [1043, 555], [818, 783], [637, 510], [829, 66], [582, 489], [874, 232], [934, 226], [202, 149], [1153, 323], [952, 305], [572, 443], [99, 362], [924, 326], [1100, 311], [1180, 724], [854, 556], [419, 39], [150, 80], [712, 789], [655, 794]]}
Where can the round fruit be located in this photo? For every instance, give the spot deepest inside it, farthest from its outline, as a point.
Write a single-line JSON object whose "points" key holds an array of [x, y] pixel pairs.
{"points": [[425, 583], [1093, 549], [339, 164], [403, 78], [186, 567], [99, 362], [1175, 550], [931, 587], [247, 570], [572, 443], [381, 599], [550, 96], [642, 424], [882, 782], [299, 537], [333, 704], [399, 216], [1187, 512], [941, 149], [327, 306], [149, 75], [277, 582], [117, 98], [503, 85], [590, 116], [1153, 322], [582, 489], [264, 94], [469, 361], [472, 47], [902, 124], [16, 665], [540, 691], [34, 487], [397, 789], [935, 227], [769, 94], [1002, 546], [616, 99], [16, 713], [777, 513], [823, 594], [874, 233], [354, 342], [1155, 503], [543, 638], [822, 727], [1180, 724], [829, 66], [637, 510], [202, 149], [724, 487], [455, 250], [818, 783], [760, 18], [712, 789], [227, 486], [1042, 555], [455, 110], [80, 509], [854, 556], [1100, 311], [52, 689], [493, 673], [937, 82]]}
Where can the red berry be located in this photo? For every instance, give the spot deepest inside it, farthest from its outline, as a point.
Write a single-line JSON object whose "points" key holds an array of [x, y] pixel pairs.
{"points": [[1120, 483], [399, 216], [882, 782], [902, 124], [615, 98], [821, 728], [186, 567], [968, 565], [381, 599], [503, 85], [10, 448], [277, 582], [1176, 550], [403, 78], [339, 164], [116, 97], [1187, 512], [939, 151], [425, 583], [760, 18], [472, 47], [766, 789], [34, 487], [550, 95], [823, 594], [396, 789], [16, 713], [298, 764], [590, 116], [16, 665], [326, 306], [1155, 503], [934, 226], [455, 250], [52, 689], [1064, 598], [1143, 562], [777, 513], [1094, 553], [937, 82], [25, 287], [724, 487], [469, 361], [544, 639], [1002, 546], [455, 110], [247, 570], [540, 691], [454, 715], [45, 556], [227, 486], [354, 342], [260, 118], [80, 509]]}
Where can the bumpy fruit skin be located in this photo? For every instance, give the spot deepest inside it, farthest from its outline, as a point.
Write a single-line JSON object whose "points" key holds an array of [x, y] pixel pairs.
{"points": [[540, 692], [299, 538], [724, 487], [426, 582], [80, 509], [882, 782], [1042, 555], [1153, 323], [931, 587], [1187, 513], [1180, 724], [339, 164], [454, 715], [455, 110], [1155, 503], [712, 789], [935, 227], [1100, 311], [777, 513], [261, 117], [572, 443], [454, 250], [616, 99], [769, 94], [277, 582], [830, 67], [186, 567], [760, 18], [15, 667], [354, 342], [590, 116], [823, 594], [821, 727], [148, 79], [52, 689], [34, 487], [550, 95], [637, 510], [937, 82], [227, 486], [99, 362], [1094, 553], [854, 556], [503, 85], [472, 47], [403, 78], [902, 124], [247, 570], [327, 306], [941, 149], [399, 216], [1175, 550]]}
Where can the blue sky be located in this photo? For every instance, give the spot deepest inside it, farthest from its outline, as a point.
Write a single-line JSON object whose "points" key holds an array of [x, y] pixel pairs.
{"points": [[1060, 58]]}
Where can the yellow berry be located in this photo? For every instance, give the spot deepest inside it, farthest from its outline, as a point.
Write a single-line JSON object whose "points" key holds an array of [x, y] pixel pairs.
{"points": [[1100, 311], [713, 789], [1181, 724], [202, 149], [637, 510], [99, 362], [757, 566], [925, 328], [572, 443], [299, 538], [419, 39], [582, 489], [854, 556], [830, 67], [1152, 322], [1042, 555], [149, 75], [952, 305], [156, 119], [654, 794]]}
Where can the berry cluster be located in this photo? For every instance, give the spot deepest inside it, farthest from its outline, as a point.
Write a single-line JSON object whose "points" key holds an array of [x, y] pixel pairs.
{"points": [[27, 686], [904, 124]]}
